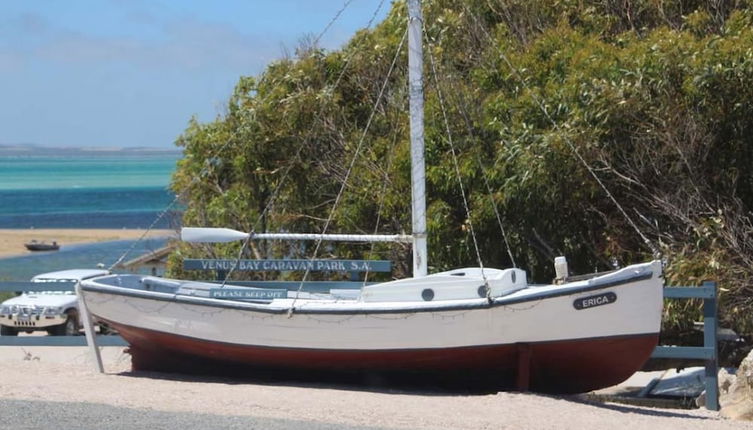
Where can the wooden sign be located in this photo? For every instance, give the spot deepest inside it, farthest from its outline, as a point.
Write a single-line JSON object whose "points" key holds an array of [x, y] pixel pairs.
{"points": [[290, 265], [247, 293]]}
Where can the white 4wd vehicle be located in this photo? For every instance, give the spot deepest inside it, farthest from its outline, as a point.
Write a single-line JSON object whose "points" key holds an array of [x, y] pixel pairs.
{"points": [[53, 311]]}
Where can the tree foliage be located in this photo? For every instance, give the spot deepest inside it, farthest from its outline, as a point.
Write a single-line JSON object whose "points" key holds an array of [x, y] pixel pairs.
{"points": [[654, 96]]}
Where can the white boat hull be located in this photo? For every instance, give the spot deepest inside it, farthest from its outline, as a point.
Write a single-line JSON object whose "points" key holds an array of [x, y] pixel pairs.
{"points": [[611, 335]]}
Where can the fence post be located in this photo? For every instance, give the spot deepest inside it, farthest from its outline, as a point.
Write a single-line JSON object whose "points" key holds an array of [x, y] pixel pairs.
{"points": [[221, 275], [710, 330]]}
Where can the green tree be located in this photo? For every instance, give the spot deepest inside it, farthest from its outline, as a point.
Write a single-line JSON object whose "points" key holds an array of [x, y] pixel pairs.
{"points": [[654, 96]]}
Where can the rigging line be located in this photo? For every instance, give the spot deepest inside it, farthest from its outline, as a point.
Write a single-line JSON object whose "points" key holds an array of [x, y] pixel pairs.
{"points": [[382, 198], [456, 165], [237, 260], [332, 21], [275, 193], [143, 235], [175, 200], [484, 170], [496, 211], [567, 140], [310, 133], [181, 194], [350, 166]]}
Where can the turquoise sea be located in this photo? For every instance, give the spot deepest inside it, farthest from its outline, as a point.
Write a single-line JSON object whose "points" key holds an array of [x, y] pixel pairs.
{"points": [[84, 192], [117, 190], [86, 172]]}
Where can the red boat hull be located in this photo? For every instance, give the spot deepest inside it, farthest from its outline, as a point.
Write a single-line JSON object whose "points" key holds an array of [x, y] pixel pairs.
{"points": [[570, 366]]}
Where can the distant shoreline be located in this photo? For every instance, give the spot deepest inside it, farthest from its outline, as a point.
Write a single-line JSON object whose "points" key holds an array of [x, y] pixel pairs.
{"points": [[29, 150], [12, 240]]}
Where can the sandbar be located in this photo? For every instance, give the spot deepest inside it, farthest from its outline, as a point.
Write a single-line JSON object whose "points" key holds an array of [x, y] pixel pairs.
{"points": [[12, 240]]}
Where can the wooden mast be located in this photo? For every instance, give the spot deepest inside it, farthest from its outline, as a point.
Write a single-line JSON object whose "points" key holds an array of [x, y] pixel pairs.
{"points": [[418, 181]]}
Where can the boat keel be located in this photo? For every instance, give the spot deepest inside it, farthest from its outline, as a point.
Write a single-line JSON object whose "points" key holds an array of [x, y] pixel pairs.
{"points": [[560, 367]]}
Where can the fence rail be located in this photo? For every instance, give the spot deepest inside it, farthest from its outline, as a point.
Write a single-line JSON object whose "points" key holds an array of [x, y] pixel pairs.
{"points": [[28, 286]]}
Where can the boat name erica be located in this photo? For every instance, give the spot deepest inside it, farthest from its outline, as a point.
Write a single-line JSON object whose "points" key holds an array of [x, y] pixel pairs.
{"points": [[597, 300]]}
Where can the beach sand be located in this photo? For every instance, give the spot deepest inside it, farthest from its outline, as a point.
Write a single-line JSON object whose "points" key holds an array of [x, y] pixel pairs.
{"points": [[12, 240], [65, 374]]}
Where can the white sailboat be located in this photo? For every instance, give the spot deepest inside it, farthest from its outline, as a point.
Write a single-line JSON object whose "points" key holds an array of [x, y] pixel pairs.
{"points": [[570, 336]]}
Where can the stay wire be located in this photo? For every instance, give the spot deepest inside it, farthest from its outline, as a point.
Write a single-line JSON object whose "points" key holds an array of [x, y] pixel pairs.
{"points": [[275, 193], [380, 206], [169, 207], [279, 186], [350, 169], [332, 21], [310, 133], [567, 140], [457, 167], [320, 113], [496, 212], [237, 261], [143, 235], [483, 170]]}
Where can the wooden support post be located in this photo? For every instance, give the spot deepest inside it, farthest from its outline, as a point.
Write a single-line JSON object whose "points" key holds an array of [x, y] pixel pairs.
{"points": [[91, 338], [221, 275], [524, 367], [710, 329]]}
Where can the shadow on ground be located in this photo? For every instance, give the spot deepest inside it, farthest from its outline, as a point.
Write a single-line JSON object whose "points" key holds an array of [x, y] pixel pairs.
{"points": [[421, 385]]}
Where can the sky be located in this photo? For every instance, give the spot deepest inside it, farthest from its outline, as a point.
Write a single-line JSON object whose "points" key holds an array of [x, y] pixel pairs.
{"points": [[125, 73]]}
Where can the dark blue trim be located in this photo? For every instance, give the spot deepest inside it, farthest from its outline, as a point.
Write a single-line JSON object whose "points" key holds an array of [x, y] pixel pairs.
{"points": [[592, 287]]}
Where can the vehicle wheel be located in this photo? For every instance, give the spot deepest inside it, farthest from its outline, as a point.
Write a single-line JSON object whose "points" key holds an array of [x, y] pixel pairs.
{"points": [[68, 328], [8, 331]]}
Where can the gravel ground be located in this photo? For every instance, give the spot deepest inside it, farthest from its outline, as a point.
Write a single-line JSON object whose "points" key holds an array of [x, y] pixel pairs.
{"points": [[47, 387], [41, 415]]}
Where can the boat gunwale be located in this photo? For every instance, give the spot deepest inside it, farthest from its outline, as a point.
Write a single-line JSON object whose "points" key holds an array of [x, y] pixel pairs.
{"points": [[470, 304]]}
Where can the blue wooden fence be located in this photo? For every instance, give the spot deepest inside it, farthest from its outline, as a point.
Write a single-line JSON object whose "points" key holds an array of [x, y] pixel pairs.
{"points": [[708, 352]]}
